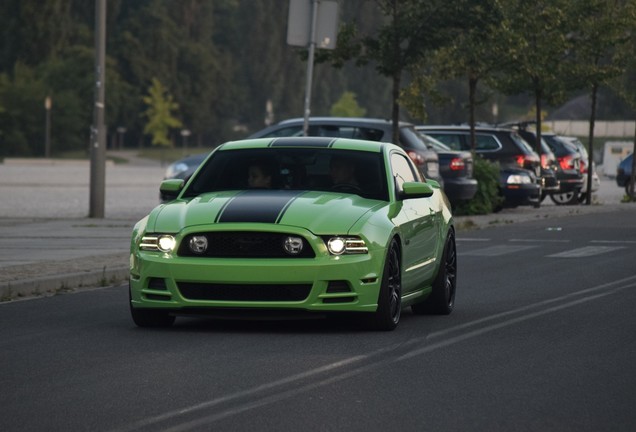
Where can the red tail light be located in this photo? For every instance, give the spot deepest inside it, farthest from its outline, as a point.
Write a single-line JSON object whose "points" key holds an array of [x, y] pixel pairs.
{"points": [[566, 162], [526, 161], [457, 164], [416, 158], [583, 166]]}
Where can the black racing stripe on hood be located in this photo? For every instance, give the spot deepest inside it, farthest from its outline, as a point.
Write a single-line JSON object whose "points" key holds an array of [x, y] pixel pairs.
{"points": [[257, 206], [322, 142]]}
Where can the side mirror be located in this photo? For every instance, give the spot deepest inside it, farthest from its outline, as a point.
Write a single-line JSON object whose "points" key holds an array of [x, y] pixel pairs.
{"points": [[170, 189], [416, 190]]}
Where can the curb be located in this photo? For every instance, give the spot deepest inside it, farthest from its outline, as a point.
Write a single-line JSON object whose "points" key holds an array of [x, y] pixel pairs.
{"points": [[51, 285]]}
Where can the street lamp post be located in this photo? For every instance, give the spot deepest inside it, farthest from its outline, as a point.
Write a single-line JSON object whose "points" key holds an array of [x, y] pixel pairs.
{"points": [[185, 133], [121, 131], [47, 134]]}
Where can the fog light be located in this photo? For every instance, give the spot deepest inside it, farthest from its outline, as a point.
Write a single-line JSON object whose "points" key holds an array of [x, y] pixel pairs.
{"points": [[198, 244], [293, 245], [166, 243]]}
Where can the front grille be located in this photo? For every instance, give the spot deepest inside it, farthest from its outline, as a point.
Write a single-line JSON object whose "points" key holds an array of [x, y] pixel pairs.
{"points": [[245, 244], [243, 292]]}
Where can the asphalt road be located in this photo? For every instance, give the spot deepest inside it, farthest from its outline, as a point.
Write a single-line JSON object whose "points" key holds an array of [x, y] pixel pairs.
{"points": [[542, 339]]}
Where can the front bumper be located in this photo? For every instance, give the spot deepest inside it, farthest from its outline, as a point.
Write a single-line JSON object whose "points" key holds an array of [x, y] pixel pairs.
{"points": [[324, 283]]}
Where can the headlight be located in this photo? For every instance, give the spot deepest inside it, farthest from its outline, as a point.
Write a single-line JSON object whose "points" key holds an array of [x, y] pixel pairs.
{"points": [[161, 242], [519, 179], [346, 245]]}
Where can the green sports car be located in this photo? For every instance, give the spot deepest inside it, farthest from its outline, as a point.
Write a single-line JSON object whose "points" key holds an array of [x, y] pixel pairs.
{"points": [[318, 225]]}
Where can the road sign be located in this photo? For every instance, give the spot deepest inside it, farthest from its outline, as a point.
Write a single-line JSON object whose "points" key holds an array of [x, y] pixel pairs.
{"points": [[299, 23]]}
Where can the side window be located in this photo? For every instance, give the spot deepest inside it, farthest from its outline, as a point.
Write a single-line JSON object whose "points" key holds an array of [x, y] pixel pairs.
{"points": [[286, 132], [327, 131], [402, 171], [368, 134], [487, 143], [453, 141]]}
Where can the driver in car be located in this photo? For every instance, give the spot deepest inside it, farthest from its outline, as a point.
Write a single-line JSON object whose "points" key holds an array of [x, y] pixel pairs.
{"points": [[342, 172]]}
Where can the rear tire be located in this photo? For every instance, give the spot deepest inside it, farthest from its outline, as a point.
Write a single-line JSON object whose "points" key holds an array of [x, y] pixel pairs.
{"points": [[387, 316], [567, 198], [442, 299]]}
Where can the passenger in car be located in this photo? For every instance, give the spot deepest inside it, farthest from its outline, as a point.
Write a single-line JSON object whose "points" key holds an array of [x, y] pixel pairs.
{"points": [[260, 175], [342, 171]]}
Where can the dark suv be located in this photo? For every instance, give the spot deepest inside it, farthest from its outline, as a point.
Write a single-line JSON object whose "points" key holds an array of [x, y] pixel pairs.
{"points": [[521, 181], [425, 158], [569, 172]]}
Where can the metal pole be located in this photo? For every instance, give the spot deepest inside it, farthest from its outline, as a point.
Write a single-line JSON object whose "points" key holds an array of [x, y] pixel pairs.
{"points": [[98, 131], [47, 137], [310, 65]]}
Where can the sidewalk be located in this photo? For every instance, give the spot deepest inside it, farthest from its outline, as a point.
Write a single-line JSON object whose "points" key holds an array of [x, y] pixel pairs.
{"points": [[48, 246]]}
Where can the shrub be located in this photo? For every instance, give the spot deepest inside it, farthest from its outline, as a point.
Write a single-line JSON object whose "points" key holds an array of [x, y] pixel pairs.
{"points": [[488, 197]]}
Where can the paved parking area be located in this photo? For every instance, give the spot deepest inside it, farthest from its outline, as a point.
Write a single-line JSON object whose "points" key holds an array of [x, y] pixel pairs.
{"points": [[61, 189]]}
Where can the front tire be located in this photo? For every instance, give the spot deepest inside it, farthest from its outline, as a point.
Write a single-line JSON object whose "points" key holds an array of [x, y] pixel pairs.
{"points": [[387, 316], [149, 317], [442, 300]]}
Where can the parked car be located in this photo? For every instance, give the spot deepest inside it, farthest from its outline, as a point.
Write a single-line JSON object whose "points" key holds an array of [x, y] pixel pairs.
{"points": [[183, 168], [624, 172], [361, 128], [569, 171], [299, 241], [456, 168], [520, 167], [596, 181]]}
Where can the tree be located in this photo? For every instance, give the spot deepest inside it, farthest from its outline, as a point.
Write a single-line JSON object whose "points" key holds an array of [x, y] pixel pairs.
{"points": [[603, 26], [475, 53], [624, 83], [542, 42], [160, 114], [347, 106], [411, 30]]}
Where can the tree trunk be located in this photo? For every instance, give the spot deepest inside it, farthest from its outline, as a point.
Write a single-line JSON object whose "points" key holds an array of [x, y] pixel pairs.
{"points": [[630, 189], [395, 114], [590, 145], [397, 73], [472, 90]]}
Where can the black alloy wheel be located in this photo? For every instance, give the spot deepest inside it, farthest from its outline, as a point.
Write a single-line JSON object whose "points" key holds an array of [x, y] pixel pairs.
{"points": [[389, 309], [442, 300]]}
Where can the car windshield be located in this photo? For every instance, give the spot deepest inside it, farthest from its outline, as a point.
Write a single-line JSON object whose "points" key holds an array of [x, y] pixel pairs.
{"points": [[311, 169], [523, 144], [412, 138]]}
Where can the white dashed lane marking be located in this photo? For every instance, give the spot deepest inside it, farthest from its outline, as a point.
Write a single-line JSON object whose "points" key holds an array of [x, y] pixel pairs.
{"points": [[586, 251], [598, 247], [498, 250]]}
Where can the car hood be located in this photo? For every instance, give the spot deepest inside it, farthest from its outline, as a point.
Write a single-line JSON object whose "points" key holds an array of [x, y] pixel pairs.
{"points": [[319, 212]]}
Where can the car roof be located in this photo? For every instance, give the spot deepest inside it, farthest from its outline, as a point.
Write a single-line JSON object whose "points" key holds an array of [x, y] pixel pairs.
{"points": [[348, 121], [308, 142], [463, 128]]}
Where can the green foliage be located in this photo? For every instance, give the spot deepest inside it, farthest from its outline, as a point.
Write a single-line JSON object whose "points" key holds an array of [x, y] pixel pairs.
{"points": [[223, 71], [159, 114], [22, 121], [488, 197], [347, 106]]}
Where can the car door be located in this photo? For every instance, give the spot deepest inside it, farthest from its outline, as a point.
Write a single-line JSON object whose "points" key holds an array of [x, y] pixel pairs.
{"points": [[419, 225]]}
